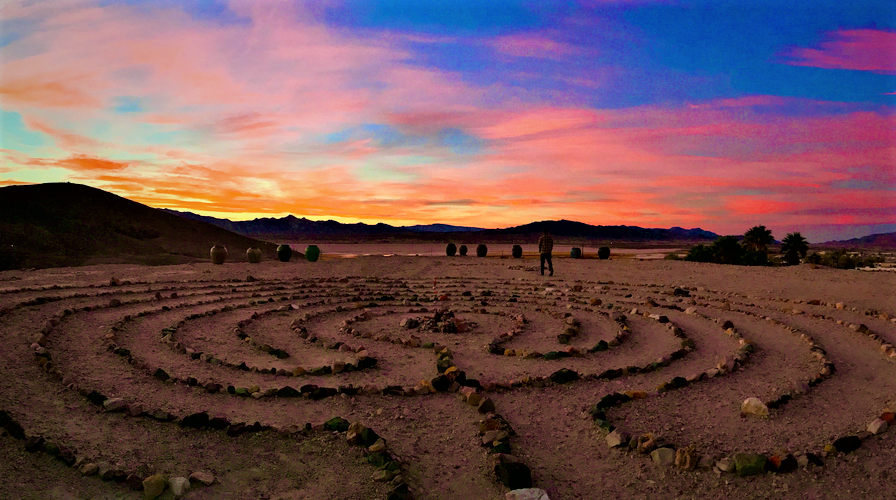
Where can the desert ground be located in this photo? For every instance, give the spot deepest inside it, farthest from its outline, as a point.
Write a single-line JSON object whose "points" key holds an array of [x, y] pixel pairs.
{"points": [[116, 378]]}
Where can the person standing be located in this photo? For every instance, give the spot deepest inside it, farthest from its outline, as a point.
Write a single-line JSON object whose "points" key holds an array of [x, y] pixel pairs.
{"points": [[545, 246]]}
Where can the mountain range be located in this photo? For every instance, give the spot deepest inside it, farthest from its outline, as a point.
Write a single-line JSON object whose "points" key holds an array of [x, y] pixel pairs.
{"points": [[64, 224], [292, 227]]}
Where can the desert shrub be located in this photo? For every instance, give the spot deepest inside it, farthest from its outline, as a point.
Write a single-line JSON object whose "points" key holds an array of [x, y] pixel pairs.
{"points": [[814, 258], [841, 259], [700, 253], [757, 258], [672, 256], [727, 250]]}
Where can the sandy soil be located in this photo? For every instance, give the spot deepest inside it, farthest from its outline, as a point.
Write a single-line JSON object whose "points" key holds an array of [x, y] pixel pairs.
{"points": [[435, 436]]}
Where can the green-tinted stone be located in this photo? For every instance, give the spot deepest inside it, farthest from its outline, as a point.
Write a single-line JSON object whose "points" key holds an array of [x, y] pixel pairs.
{"points": [[337, 424], [749, 464], [502, 447]]}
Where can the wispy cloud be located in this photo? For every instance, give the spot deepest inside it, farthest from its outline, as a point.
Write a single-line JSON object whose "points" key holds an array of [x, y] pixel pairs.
{"points": [[859, 49]]}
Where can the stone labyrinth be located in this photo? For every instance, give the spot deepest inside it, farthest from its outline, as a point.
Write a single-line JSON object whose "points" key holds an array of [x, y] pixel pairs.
{"points": [[452, 387]]}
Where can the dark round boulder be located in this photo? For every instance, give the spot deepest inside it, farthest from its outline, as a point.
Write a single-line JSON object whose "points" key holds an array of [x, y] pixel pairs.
{"points": [[481, 250], [516, 252], [451, 249], [575, 253], [603, 253]]}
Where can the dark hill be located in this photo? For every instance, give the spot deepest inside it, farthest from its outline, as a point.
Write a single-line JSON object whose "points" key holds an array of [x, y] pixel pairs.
{"points": [[573, 229], [880, 241], [62, 224]]}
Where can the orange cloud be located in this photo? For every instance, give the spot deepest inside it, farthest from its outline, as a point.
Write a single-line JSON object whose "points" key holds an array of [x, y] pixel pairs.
{"points": [[46, 94]]}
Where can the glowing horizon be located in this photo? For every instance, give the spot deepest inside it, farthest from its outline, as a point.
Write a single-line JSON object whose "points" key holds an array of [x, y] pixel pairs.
{"points": [[704, 114]]}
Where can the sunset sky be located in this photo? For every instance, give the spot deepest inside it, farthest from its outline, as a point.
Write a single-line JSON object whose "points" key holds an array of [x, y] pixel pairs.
{"points": [[715, 114]]}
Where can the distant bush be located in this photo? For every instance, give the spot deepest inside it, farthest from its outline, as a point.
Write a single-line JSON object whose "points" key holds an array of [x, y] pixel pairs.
{"points": [[841, 259], [700, 253], [672, 256], [727, 250]]}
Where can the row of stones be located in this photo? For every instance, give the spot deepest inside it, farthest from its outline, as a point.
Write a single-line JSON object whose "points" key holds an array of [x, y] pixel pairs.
{"points": [[167, 287], [741, 463], [315, 392], [154, 485], [310, 391], [362, 362], [494, 431], [827, 367]]}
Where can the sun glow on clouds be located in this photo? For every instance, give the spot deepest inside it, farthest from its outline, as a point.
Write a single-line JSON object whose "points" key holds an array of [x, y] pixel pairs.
{"points": [[280, 113]]}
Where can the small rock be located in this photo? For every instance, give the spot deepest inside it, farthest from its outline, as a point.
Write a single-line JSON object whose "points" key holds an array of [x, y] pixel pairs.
{"points": [[474, 399], [802, 461], [646, 443], [488, 406], [201, 477], [686, 458], [878, 426], [753, 406], [89, 469], [663, 456], [749, 464], [179, 486], [154, 486], [848, 444], [115, 405], [378, 446], [725, 465], [617, 438], [527, 494], [514, 475]]}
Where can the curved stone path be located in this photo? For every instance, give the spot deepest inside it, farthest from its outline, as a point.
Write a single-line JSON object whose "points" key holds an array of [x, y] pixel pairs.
{"points": [[469, 371]]}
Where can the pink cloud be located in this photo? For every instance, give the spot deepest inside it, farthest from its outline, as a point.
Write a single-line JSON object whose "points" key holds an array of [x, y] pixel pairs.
{"points": [[533, 45], [859, 49]]}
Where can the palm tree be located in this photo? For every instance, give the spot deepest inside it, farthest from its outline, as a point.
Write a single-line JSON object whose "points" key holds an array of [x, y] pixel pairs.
{"points": [[794, 246], [758, 238]]}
